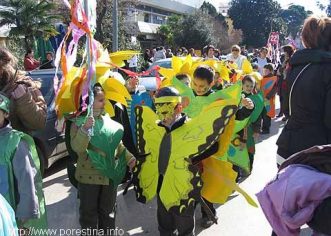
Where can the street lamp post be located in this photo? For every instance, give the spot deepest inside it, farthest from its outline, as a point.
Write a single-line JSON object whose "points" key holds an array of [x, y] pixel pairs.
{"points": [[115, 25]]}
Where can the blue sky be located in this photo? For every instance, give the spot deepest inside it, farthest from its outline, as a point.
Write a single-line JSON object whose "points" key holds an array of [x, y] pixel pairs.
{"points": [[308, 4]]}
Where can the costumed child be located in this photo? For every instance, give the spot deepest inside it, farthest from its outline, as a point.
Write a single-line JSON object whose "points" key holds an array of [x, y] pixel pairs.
{"points": [[269, 90], [20, 178], [170, 144], [202, 82], [101, 165], [251, 132], [185, 79], [139, 98], [217, 82]]}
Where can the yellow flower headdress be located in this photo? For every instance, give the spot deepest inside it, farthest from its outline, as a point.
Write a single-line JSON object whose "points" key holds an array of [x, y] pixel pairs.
{"points": [[69, 95]]}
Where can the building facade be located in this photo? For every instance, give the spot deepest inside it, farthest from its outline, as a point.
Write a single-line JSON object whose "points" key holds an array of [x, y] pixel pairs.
{"points": [[150, 14], [224, 8]]}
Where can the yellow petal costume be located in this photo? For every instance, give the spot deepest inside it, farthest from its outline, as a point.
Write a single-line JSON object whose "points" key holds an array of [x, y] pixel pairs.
{"points": [[69, 94]]}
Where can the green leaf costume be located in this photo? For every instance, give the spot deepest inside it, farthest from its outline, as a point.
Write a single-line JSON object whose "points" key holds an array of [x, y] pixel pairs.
{"points": [[8, 143], [107, 134]]}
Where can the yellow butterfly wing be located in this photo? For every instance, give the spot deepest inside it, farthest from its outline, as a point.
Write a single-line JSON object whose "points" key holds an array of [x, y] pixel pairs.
{"points": [[149, 137], [181, 183]]}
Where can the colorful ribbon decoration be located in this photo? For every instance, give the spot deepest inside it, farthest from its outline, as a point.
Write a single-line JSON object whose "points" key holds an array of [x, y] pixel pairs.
{"points": [[81, 25]]}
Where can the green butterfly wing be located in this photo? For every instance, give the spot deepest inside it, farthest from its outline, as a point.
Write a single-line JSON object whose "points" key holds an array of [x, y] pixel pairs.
{"points": [[258, 106], [198, 103], [235, 154]]}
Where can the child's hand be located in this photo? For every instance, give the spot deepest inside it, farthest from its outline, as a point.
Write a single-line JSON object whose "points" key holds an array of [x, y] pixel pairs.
{"points": [[256, 136], [248, 103], [132, 163], [89, 123]]}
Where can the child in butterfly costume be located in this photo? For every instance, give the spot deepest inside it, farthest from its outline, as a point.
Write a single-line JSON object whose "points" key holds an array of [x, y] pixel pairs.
{"points": [[20, 178], [168, 142], [101, 165], [269, 90]]}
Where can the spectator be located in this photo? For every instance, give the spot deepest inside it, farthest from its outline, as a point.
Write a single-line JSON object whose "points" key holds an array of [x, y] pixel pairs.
{"points": [[169, 53], [184, 52], [159, 55], [210, 53], [179, 52], [235, 56], [133, 63], [49, 62], [244, 51], [217, 54], [282, 72], [153, 52], [29, 62], [147, 56], [28, 109], [309, 91], [262, 59], [255, 53], [192, 52]]}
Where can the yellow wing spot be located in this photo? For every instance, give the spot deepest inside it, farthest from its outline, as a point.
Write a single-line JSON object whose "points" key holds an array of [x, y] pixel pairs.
{"points": [[230, 112], [226, 121], [199, 184], [190, 201], [182, 208]]}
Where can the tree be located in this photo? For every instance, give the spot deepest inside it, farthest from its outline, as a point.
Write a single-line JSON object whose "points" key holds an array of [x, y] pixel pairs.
{"points": [[29, 18], [194, 31], [256, 19], [104, 23], [166, 31], [209, 9], [328, 9], [294, 17]]}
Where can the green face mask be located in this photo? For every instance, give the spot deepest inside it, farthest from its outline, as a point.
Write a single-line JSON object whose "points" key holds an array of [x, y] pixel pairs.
{"points": [[165, 111]]}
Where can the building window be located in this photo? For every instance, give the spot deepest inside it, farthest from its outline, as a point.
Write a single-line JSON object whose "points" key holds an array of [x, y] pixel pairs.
{"points": [[147, 18], [158, 20]]}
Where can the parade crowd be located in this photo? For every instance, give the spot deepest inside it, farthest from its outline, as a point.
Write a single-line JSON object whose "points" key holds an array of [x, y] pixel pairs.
{"points": [[188, 144]]}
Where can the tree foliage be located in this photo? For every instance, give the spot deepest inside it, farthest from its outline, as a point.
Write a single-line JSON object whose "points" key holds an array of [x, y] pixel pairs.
{"points": [[328, 9], [166, 32], [211, 10], [256, 19], [194, 31], [197, 30], [30, 18], [104, 29], [294, 17]]}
